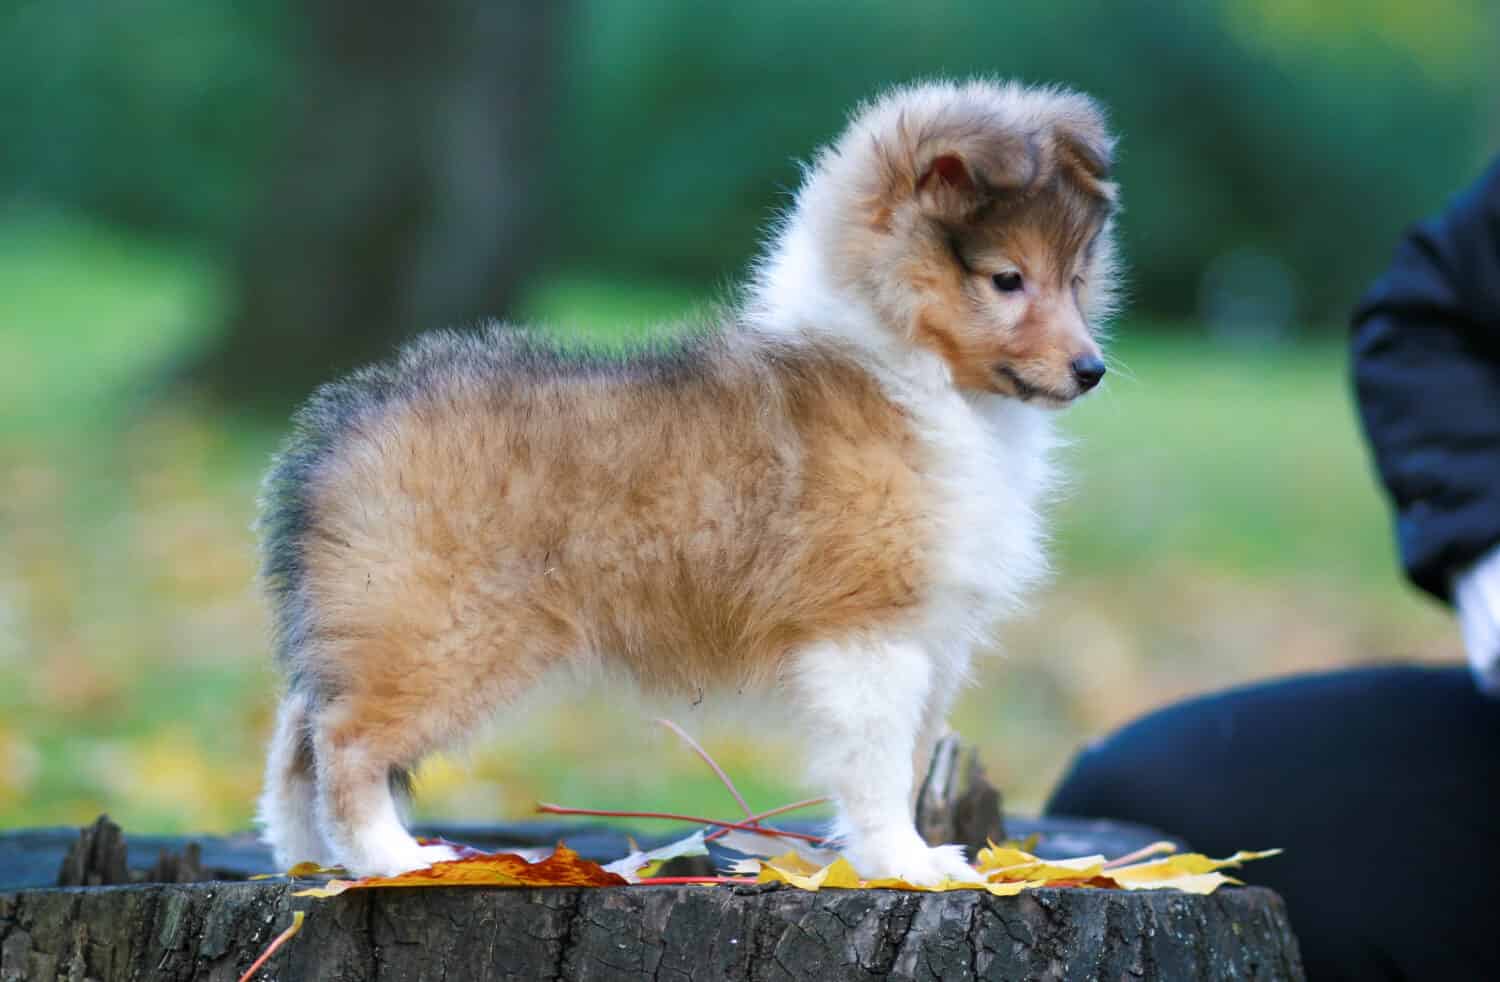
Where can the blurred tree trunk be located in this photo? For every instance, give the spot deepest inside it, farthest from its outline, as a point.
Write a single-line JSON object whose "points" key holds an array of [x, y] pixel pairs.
{"points": [[408, 194]]}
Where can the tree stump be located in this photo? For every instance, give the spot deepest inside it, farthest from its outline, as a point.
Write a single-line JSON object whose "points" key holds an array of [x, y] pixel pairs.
{"points": [[214, 931], [150, 927], [956, 802]]}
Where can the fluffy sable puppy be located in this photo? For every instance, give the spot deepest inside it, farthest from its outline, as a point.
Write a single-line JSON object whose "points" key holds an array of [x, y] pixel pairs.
{"points": [[831, 493]]}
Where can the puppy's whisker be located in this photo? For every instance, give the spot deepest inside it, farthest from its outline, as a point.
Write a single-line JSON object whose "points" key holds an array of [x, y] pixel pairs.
{"points": [[1118, 367]]}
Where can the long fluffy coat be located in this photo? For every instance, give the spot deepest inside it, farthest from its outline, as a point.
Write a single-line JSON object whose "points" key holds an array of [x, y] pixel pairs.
{"points": [[831, 490]]}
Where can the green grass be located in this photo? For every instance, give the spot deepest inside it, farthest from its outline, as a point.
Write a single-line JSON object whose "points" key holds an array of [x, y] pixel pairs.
{"points": [[1222, 525], [1249, 460], [83, 314]]}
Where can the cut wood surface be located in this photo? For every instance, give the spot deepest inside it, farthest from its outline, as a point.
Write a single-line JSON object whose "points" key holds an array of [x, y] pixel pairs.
{"points": [[215, 930]]}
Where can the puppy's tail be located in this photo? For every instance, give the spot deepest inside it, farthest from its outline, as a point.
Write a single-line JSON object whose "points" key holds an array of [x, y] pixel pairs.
{"points": [[288, 804]]}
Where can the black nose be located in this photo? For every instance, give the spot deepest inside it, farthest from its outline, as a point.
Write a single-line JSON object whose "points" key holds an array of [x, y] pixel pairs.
{"points": [[1088, 370]]}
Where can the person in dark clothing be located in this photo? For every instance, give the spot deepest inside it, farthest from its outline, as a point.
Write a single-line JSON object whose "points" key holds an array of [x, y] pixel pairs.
{"points": [[1427, 372], [1382, 784]]}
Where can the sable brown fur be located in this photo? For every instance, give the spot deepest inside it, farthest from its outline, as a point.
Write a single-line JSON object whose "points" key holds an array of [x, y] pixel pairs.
{"points": [[525, 511], [832, 482]]}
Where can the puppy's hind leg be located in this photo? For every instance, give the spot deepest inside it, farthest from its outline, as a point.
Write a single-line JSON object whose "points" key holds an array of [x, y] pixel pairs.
{"points": [[288, 804], [865, 702], [403, 696], [363, 750]]}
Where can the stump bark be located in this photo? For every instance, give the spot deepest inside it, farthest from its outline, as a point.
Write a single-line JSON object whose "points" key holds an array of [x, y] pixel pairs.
{"points": [[214, 931]]}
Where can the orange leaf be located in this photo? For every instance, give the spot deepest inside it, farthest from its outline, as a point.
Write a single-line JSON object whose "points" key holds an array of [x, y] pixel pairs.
{"points": [[564, 868]]}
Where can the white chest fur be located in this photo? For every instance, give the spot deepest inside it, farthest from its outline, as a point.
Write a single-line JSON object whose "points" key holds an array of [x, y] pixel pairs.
{"points": [[991, 469], [990, 455]]}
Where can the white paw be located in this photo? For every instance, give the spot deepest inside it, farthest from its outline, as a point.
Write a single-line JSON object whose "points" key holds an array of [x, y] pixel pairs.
{"points": [[436, 854], [912, 860], [397, 858]]}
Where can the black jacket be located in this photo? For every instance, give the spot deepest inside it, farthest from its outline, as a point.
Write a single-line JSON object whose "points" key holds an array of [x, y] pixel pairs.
{"points": [[1427, 375]]}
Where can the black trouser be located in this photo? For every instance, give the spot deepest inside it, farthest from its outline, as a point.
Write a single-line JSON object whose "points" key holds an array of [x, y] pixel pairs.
{"points": [[1382, 785]]}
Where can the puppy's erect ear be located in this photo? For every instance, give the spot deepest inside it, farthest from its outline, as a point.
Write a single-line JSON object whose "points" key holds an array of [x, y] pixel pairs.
{"points": [[1084, 149], [948, 189], [957, 184], [950, 169]]}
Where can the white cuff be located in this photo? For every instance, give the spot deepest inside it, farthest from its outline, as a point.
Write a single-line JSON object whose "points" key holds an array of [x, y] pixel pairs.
{"points": [[1476, 593]]}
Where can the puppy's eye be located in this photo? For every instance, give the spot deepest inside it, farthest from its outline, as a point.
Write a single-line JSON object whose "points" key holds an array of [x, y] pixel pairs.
{"points": [[1007, 282]]}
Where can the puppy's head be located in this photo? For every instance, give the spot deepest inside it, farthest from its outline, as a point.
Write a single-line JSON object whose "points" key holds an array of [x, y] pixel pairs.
{"points": [[979, 224]]}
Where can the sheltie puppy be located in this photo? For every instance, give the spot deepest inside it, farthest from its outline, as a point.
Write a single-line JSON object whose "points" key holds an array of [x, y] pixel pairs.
{"points": [[831, 492]]}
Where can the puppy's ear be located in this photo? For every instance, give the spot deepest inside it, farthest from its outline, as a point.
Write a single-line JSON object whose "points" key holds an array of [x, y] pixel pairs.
{"points": [[958, 184], [948, 187], [1087, 151], [1083, 148]]}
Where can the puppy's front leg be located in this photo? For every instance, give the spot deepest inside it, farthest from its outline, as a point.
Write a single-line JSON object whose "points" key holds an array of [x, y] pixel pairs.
{"points": [[865, 702]]}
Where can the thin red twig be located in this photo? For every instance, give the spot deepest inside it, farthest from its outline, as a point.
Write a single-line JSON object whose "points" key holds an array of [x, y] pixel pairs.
{"points": [[281, 939], [551, 809], [698, 749], [805, 803], [1141, 853]]}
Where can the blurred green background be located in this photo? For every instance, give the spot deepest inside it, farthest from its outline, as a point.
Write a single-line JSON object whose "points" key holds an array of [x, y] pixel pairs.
{"points": [[205, 208]]}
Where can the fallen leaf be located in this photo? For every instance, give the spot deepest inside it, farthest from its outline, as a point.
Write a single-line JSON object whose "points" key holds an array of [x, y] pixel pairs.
{"points": [[1191, 872], [631, 866], [1027, 844], [1006, 871], [1188, 863], [794, 870], [767, 846], [1188, 883], [1000, 863], [564, 868], [304, 870]]}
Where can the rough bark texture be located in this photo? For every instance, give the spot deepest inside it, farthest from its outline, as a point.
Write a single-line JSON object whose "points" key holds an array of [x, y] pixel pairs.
{"points": [[215, 930], [957, 803], [98, 858], [101, 857]]}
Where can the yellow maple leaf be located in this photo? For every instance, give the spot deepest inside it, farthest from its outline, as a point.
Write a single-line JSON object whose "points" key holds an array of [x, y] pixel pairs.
{"points": [[303, 870], [1184, 864], [794, 870], [1006, 871], [1190, 872], [1204, 883], [1006, 863]]}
